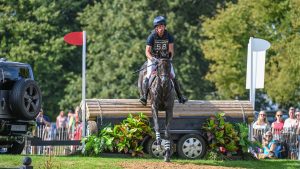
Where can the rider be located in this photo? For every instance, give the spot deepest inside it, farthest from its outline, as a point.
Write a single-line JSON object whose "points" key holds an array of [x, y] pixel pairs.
{"points": [[159, 44]]}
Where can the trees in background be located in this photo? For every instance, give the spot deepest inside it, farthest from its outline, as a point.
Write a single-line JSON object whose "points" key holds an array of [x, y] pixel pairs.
{"points": [[117, 33], [226, 38], [210, 46]]}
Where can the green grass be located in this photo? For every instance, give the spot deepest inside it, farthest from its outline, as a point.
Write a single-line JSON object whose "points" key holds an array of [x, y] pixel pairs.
{"points": [[107, 162]]}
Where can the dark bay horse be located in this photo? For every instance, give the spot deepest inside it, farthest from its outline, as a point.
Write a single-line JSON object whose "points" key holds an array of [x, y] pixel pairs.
{"points": [[162, 95]]}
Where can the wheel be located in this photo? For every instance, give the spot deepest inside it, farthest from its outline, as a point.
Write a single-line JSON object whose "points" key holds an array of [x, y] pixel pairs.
{"points": [[92, 128], [191, 146], [16, 148], [157, 153], [26, 99]]}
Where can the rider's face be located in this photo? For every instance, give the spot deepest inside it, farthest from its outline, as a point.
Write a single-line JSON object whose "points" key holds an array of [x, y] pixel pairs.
{"points": [[160, 29]]}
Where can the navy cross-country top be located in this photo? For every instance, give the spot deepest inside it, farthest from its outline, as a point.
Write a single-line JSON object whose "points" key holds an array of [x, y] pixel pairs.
{"points": [[159, 45]]}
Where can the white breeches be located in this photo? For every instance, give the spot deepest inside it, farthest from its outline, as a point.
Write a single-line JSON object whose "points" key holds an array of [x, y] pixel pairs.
{"points": [[151, 68]]}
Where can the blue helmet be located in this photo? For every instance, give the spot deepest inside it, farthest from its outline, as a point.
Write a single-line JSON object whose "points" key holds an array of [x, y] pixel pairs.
{"points": [[159, 20]]}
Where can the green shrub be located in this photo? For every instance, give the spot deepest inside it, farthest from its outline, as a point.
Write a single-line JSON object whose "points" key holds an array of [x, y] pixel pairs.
{"points": [[94, 145], [131, 132], [221, 133], [234, 138], [244, 142], [125, 137]]}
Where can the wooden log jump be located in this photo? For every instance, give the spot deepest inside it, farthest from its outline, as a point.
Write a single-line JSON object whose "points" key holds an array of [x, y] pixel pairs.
{"points": [[122, 107]]}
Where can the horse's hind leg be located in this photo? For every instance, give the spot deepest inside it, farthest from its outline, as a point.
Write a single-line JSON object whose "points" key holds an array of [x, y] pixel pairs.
{"points": [[169, 116], [156, 125]]}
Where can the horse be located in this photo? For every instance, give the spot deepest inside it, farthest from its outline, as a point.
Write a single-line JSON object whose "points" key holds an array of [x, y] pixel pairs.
{"points": [[162, 95]]}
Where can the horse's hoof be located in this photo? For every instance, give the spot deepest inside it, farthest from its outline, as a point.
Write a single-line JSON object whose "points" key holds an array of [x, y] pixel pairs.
{"points": [[143, 101], [167, 155], [167, 159]]}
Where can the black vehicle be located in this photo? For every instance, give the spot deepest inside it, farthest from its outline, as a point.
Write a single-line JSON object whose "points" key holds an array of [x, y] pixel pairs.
{"points": [[20, 102]]}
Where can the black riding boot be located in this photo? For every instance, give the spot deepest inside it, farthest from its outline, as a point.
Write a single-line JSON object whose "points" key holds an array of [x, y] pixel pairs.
{"points": [[143, 99], [181, 98]]}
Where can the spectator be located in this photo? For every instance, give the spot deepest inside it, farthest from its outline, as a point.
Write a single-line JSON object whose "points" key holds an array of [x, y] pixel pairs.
{"points": [[77, 114], [261, 122], [298, 129], [291, 121], [71, 118], [42, 120], [43, 125], [78, 127], [277, 126], [78, 130], [269, 146], [297, 114], [61, 120], [71, 123]]}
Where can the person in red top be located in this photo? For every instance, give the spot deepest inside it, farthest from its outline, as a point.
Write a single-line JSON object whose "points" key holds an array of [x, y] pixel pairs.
{"points": [[277, 126]]}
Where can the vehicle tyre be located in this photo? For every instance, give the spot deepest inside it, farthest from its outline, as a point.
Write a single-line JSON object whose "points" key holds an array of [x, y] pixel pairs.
{"points": [[191, 146], [26, 99], [92, 128], [157, 153], [16, 148]]}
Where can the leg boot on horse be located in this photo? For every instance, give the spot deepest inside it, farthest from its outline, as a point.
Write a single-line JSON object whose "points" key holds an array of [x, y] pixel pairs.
{"points": [[167, 157], [181, 98], [145, 87], [158, 140]]}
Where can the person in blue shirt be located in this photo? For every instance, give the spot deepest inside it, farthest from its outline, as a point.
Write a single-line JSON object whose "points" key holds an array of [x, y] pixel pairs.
{"points": [[42, 120], [269, 146], [160, 44]]}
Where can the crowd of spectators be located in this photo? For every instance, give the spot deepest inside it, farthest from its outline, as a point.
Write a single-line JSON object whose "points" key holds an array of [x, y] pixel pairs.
{"points": [[67, 126], [279, 136]]}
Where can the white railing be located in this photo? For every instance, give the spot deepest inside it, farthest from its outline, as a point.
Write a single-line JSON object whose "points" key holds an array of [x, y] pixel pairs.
{"points": [[46, 133]]}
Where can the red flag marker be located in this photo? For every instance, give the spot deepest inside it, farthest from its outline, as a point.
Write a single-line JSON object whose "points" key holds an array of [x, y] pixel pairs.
{"points": [[74, 38]]}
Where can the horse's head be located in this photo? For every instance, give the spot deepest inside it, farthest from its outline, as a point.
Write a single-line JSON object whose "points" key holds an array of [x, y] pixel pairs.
{"points": [[164, 70]]}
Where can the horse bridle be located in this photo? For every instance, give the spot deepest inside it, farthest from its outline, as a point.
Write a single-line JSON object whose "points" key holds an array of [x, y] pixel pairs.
{"points": [[158, 71], [158, 65]]}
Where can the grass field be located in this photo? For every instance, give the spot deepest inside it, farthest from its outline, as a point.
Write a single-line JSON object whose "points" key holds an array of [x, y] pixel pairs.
{"points": [[107, 162]]}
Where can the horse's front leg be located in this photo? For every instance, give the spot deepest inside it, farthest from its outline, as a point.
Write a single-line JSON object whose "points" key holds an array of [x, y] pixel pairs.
{"points": [[169, 116], [156, 125]]}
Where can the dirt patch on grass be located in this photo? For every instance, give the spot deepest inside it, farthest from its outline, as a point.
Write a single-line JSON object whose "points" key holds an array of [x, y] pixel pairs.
{"points": [[164, 165]]}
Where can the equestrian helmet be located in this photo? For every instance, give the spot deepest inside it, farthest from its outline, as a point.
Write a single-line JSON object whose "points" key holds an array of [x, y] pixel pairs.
{"points": [[159, 20]]}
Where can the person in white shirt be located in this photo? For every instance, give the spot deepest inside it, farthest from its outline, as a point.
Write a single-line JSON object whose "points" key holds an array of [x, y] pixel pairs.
{"points": [[291, 121], [261, 122]]}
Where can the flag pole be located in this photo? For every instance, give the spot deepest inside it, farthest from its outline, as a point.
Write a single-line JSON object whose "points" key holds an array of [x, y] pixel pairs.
{"points": [[252, 75], [83, 86]]}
